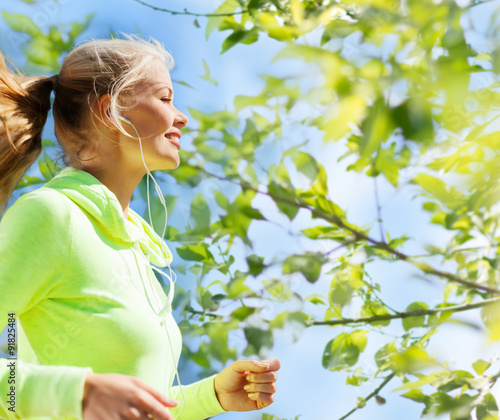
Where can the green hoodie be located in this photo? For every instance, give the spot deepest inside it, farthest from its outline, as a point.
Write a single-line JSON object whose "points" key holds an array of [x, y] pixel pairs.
{"points": [[75, 273]]}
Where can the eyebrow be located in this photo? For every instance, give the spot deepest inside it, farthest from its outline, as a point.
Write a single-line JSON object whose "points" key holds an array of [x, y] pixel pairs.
{"points": [[166, 86]]}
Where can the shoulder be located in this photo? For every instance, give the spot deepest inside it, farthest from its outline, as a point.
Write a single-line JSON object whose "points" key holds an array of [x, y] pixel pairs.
{"points": [[40, 208]]}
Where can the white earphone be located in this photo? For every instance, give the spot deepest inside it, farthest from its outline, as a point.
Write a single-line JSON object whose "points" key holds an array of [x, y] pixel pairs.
{"points": [[170, 297]]}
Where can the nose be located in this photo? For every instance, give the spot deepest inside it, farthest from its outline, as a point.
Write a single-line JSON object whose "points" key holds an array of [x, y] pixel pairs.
{"points": [[181, 119]]}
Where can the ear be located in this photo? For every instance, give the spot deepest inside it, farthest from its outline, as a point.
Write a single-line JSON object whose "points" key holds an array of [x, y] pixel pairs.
{"points": [[103, 110]]}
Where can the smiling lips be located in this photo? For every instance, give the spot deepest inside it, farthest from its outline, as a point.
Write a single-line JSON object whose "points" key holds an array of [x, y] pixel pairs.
{"points": [[173, 138]]}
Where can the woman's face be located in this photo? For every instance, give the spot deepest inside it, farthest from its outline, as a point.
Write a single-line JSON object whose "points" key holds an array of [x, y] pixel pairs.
{"points": [[157, 121]]}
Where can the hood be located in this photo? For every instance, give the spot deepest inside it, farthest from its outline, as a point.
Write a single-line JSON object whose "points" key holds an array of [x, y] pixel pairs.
{"points": [[103, 207]]}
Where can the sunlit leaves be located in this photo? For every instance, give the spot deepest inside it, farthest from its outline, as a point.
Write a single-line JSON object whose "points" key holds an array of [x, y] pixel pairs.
{"points": [[240, 214], [308, 264], [43, 50], [491, 318], [396, 90], [414, 321], [198, 253], [228, 6], [259, 341], [200, 214], [343, 351], [346, 281], [207, 76], [374, 309], [480, 366], [21, 23]]}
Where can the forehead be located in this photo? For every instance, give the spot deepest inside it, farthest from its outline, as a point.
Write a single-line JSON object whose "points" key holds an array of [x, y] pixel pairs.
{"points": [[158, 79]]}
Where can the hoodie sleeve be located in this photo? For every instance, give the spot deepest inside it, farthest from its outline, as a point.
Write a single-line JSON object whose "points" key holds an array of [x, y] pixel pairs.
{"points": [[35, 244], [201, 400]]}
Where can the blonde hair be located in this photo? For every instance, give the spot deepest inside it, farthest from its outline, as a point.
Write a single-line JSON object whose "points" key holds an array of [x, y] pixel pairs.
{"points": [[100, 67]]}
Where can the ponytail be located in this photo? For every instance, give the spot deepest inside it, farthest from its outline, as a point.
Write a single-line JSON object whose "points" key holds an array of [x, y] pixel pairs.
{"points": [[24, 105]]}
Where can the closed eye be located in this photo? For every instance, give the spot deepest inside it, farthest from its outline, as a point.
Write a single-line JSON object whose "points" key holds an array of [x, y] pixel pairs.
{"points": [[166, 100]]}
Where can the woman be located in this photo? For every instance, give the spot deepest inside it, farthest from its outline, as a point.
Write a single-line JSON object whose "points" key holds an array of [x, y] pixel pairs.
{"points": [[75, 260]]}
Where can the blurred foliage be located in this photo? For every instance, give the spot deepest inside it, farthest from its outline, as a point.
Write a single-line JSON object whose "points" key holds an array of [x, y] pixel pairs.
{"points": [[400, 87]]}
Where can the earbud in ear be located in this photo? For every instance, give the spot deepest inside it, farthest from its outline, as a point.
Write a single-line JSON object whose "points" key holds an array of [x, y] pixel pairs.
{"points": [[120, 117]]}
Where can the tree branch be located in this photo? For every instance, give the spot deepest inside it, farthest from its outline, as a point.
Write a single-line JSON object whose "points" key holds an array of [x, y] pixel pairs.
{"points": [[209, 314], [479, 3], [336, 220], [402, 315], [369, 396], [186, 12]]}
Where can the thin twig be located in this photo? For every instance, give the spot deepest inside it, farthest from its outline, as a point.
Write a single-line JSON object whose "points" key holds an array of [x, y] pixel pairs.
{"points": [[336, 220], [225, 261], [379, 211], [186, 12], [370, 396], [479, 3], [402, 315], [195, 312]]}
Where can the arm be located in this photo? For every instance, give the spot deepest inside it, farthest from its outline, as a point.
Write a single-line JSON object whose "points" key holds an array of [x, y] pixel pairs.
{"points": [[245, 385], [201, 400], [33, 254]]}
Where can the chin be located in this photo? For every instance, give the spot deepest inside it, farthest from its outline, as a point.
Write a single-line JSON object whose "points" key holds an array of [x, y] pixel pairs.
{"points": [[168, 164]]}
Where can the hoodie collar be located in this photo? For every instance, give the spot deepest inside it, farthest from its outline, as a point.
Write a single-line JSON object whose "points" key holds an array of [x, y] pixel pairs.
{"points": [[103, 207]]}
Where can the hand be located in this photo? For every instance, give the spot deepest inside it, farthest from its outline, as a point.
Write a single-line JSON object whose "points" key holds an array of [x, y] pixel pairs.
{"points": [[247, 385], [111, 396]]}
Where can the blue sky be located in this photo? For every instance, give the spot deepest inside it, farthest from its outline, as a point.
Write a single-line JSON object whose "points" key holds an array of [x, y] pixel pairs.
{"points": [[304, 386]]}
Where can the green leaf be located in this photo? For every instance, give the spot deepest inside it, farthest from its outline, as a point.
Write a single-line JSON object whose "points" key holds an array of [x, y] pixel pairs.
{"points": [[377, 127], [259, 341], [491, 318], [255, 264], [240, 215], [206, 76], [432, 185], [488, 409], [284, 199], [278, 290], [229, 6], [77, 28], [200, 213], [21, 23], [309, 264], [415, 395], [415, 119], [480, 366], [256, 4], [240, 36], [242, 313], [375, 308], [384, 356], [306, 164], [356, 380], [344, 350], [414, 321], [340, 292], [196, 253], [221, 199]]}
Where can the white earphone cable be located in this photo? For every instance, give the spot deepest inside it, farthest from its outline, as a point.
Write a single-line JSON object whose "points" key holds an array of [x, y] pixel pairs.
{"points": [[170, 296]]}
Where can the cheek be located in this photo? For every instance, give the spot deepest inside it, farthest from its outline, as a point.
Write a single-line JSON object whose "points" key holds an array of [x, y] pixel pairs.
{"points": [[155, 121]]}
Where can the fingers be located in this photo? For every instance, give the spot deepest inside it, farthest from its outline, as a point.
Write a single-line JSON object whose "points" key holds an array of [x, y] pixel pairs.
{"points": [[148, 409], [274, 364], [262, 377], [250, 366], [265, 399], [262, 386], [268, 388], [168, 402], [256, 365], [134, 413]]}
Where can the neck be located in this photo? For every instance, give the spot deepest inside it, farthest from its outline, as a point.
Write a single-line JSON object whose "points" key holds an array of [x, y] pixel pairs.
{"points": [[121, 183]]}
